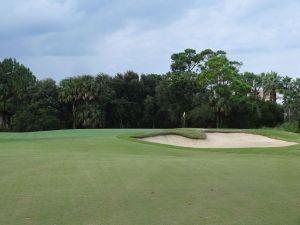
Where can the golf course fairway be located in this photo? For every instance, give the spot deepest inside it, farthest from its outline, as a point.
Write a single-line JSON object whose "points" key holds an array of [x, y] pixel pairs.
{"points": [[105, 177]]}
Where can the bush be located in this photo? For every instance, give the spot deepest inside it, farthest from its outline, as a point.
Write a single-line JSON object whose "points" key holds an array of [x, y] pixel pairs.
{"points": [[37, 120], [291, 127], [272, 114]]}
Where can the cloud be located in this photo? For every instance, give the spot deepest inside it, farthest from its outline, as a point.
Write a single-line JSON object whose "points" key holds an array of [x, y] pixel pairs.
{"points": [[28, 18], [68, 37]]}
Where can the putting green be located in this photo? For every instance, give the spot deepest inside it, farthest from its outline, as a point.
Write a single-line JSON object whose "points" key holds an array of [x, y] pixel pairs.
{"points": [[104, 177]]}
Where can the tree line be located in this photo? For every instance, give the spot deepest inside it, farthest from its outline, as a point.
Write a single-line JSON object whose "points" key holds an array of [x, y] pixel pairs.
{"points": [[202, 89]]}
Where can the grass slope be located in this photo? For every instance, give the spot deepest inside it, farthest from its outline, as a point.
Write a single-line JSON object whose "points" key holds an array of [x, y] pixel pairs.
{"points": [[184, 132], [92, 177]]}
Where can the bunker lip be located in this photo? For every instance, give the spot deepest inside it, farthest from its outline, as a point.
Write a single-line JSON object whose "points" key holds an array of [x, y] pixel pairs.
{"points": [[220, 140]]}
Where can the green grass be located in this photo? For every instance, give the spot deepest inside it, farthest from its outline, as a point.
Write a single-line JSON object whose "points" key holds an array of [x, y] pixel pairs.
{"points": [[184, 132], [94, 177]]}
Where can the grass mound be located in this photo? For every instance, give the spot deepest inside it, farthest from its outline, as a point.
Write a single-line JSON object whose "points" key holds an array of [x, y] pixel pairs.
{"points": [[184, 132]]}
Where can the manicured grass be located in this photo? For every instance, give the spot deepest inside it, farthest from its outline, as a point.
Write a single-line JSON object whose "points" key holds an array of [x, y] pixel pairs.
{"points": [[93, 177], [184, 132]]}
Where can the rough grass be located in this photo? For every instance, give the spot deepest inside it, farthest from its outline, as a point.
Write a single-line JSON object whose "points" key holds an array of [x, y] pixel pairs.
{"points": [[192, 133], [92, 177]]}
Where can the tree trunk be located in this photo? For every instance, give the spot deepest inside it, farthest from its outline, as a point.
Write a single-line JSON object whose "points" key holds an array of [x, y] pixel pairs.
{"points": [[7, 120], [74, 115], [273, 96], [4, 120], [121, 123], [221, 121], [218, 120], [256, 93], [4, 117], [264, 96], [2, 123]]}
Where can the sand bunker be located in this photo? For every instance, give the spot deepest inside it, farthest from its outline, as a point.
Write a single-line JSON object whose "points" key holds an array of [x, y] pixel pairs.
{"points": [[220, 140]]}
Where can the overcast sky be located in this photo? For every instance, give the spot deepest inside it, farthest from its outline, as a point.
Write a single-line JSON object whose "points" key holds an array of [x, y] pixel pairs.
{"points": [[59, 38]]}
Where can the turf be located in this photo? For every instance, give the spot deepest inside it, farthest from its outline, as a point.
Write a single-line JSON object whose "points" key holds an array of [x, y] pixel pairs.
{"points": [[103, 177], [184, 132]]}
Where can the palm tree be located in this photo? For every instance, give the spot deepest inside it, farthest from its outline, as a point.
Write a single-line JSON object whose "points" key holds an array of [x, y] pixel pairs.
{"points": [[77, 90], [87, 92], [271, 83], [255, 82], [69, 93], [87, 88], [287, 90]]}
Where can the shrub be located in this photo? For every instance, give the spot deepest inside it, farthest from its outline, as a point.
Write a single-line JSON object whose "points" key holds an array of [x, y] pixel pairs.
{"points": [[291, 127]]}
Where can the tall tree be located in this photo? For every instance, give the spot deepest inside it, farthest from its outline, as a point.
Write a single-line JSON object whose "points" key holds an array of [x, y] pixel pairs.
{"points": [[189, 60], [254, 81], [104, 98], [68, 94], [287, 90], [129, 99], [296, 111], [150, 106], [76, 90], [219, 75], [15, 83], [42, 112], [88, 113], [271, 84]]}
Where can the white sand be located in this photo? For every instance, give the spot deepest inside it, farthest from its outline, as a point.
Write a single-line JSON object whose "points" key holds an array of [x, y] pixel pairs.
{"points": [[220, 140]]}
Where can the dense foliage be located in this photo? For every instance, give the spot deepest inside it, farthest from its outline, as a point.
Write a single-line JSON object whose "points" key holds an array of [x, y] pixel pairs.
{"points": [[202, 89]]}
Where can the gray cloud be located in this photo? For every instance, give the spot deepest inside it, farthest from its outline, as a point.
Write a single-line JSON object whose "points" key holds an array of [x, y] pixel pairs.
{"points": [[68, 37]]}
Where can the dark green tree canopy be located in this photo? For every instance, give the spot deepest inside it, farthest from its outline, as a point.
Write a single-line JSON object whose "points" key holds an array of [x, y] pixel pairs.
{"points": [[206, 87], [189, 60]]}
